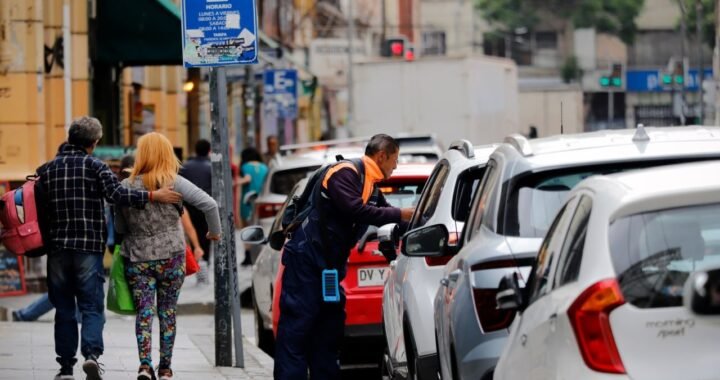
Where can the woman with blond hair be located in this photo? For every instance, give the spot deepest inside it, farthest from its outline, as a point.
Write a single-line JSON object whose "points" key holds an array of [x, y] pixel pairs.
{"points": [[154, 247]]}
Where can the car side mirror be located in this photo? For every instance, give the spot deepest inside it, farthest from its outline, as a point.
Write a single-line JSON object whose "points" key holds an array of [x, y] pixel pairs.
{"points": [[702, 292], [250, 197], [426, 241], [253, 235], [509, 296]]}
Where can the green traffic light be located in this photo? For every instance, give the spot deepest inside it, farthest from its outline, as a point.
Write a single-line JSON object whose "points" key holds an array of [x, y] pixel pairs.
{"points": [[667, 79], [679, 79], [604, 81], [617, 82]]}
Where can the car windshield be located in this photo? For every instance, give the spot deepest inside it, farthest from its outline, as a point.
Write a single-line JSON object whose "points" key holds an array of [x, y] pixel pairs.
{"points": [[535, 198], [654, 252], [283, 181], [402, 193]]}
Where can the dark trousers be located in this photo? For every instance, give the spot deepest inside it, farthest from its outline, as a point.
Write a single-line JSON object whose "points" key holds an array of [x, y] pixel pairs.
{"points": [[75, 279], [310, 330]]}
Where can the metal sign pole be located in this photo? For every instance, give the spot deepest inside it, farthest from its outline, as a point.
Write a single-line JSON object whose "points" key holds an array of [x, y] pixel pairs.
{"points": [[224, 250]]}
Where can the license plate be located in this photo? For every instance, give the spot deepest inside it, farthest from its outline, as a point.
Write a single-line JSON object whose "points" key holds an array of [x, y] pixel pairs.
{"points": [[372, 276]]}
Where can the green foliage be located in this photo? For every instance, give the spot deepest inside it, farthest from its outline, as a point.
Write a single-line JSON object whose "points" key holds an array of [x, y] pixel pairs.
{"points": [[707, 20], [570, 71], [609, 16]]}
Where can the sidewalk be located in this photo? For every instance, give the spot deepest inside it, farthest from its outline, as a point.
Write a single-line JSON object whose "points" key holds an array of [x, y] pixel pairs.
{"points": [[27, 351]]}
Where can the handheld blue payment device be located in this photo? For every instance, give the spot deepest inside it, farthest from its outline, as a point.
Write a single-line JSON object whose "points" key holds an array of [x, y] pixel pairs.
{"points": [[330, 285]]}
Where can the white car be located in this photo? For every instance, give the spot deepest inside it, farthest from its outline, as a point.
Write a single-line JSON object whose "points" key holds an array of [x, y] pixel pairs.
{"points": [[605, 297], [413, 281]]}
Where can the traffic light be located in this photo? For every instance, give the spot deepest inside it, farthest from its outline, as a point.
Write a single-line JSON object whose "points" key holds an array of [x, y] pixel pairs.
{"points": [[615, 78], [676, 74], [394, 47]]}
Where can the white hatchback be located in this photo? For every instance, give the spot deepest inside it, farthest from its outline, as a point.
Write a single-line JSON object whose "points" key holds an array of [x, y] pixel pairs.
{"points": [[605, 297]]}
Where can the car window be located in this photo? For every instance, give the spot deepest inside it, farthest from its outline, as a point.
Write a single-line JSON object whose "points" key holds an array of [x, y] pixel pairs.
{"points": [[403, 193], [574, 244], [653, 253], [541, 275], [465, 186], [429, 198], [282, 181], [479, 202]]}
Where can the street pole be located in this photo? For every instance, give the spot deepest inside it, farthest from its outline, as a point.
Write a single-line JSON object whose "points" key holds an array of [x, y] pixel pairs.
{"points": [[67, 65], [716, 61], [701, 76], [683, 54], [351, 37], [224, 249], [611, 108]]}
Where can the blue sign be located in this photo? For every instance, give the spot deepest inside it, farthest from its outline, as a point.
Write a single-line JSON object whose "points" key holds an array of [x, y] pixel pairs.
{"points": [[219, 32], [651, 81], [280, 93]]}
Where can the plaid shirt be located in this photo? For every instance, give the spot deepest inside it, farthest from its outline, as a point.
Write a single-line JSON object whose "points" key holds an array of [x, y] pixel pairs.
{"points": [[76, 184]]}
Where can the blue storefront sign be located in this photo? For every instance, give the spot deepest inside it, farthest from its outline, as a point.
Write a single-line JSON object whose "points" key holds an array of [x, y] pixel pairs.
{"points": [[280, 93], [219, 32], [650, 80]]}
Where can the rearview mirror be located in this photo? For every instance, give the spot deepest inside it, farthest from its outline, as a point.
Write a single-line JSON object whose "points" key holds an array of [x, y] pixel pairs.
{"points": [[509, 296], [426, 241], [253, 235], [702, 292]]}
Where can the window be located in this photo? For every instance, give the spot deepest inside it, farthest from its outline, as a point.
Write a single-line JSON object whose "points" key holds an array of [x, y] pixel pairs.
{"points": [[653, 253], [430, 197], [546, 40], [467, 184], [283, 180], [540, 276], [480, 200], [572, 249]]}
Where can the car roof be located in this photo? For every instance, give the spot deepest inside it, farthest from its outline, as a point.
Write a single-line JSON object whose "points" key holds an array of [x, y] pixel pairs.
{"points": [[412, 170], [612, 146], [656, 188]]}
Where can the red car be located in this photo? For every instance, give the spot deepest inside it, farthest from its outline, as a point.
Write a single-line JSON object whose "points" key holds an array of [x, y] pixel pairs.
{"points": [[367, 268]]}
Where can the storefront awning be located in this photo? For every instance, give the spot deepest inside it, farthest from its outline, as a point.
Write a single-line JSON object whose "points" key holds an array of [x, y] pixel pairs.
{"points": [[138, 33]]}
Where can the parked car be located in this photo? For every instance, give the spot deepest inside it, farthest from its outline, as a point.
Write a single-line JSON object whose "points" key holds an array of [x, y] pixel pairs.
{"points": [[524, 186], [413, 281], [605, 298], [367, 268]]}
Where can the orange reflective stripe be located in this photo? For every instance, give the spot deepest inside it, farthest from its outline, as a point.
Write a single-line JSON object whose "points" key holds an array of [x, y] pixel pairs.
{"points": [[334, 170], [373, 175]]}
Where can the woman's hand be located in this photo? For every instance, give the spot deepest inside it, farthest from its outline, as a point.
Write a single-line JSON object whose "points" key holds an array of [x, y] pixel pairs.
{"points": [[199, 253]]}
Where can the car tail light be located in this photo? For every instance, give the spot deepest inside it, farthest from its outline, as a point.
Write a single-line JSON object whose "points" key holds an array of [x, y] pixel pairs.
{"points": [[590, 319], [491, 318], [442, 260], [267, 210]]}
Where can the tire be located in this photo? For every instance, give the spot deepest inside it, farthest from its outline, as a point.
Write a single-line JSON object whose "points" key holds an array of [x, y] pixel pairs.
{"points": [[265, 338]]}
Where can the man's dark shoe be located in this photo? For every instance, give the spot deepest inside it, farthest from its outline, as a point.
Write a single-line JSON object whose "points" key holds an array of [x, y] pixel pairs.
{"points": [[93, 369], [16, 316], [66, 373]]}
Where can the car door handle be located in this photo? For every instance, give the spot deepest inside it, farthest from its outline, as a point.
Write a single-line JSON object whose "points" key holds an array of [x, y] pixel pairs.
{"points": [[454, 275]]}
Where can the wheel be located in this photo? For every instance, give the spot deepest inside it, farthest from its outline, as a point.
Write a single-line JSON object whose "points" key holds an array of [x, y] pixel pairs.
{"points": [[265, 338]]}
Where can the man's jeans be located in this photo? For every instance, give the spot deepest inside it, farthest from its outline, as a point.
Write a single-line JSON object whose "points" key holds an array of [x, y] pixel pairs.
{"points": [[35, 310], [77, 278]]}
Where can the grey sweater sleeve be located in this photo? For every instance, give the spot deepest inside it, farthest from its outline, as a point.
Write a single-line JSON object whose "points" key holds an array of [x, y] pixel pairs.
{"points": [[201, 201]]}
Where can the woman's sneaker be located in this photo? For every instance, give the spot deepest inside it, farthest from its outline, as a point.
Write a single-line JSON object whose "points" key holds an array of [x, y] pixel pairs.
{"points": [[165, 374], [145, 372]]}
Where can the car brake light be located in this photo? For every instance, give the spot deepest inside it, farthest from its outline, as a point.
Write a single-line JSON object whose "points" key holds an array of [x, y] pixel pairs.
{"points": [[442, 260], [267, 210], [590, 319], [491, 318]]}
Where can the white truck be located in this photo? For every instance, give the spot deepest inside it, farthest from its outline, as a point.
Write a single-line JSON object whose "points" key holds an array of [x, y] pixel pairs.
{"points": [[470, 97]]}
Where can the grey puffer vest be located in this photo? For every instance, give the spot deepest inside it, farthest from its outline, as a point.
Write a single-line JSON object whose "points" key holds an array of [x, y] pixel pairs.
{"points": [[154, 233]]}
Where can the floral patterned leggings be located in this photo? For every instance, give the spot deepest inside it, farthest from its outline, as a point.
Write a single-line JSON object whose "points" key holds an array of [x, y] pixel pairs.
{"points": [[145, 278]]}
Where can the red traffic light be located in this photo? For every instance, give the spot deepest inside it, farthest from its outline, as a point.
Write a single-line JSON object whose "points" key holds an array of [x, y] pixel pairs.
{"points": [[409, 55]]}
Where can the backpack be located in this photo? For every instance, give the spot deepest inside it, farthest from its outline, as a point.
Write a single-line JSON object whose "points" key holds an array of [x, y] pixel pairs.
{"points": [[23, 228], [301, 205]]}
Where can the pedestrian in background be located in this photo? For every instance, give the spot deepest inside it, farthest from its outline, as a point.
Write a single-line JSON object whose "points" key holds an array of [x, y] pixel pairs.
{"points": [[198, 170], [154, 248], [310, 329], [273, 147], [76, 184], [253, 172]]}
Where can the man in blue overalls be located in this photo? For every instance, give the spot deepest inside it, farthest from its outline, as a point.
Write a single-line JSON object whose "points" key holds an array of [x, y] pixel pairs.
{"points": [[310, 330]]}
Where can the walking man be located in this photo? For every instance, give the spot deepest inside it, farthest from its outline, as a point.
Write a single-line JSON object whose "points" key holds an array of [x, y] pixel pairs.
{"points": [[310, 329], [76, 185]]}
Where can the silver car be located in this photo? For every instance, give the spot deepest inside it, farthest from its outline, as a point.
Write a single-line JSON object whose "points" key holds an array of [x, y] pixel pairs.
{"points": [[525, 184], [413, 281]]}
